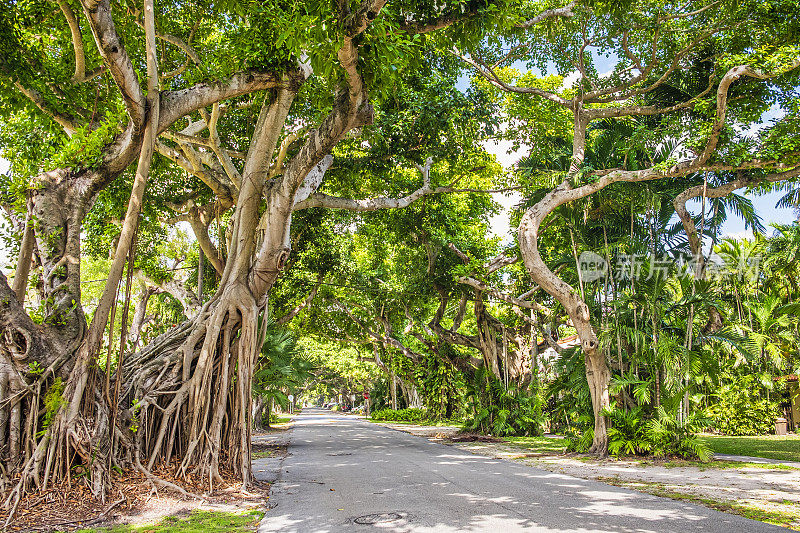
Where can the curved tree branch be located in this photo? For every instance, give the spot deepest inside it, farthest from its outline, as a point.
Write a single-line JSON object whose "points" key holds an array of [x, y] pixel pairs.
{"points": [[176, 104], [695, 242], [565, 11], [116, 57], [77, 41]]}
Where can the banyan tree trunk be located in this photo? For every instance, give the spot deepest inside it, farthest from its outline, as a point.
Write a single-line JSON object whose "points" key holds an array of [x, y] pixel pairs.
{"points": [[598, 376], [184, 400]]}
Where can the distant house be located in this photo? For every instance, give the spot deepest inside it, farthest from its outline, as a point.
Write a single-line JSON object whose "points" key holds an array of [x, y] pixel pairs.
{"points": [[548, 356], [564, 343]]}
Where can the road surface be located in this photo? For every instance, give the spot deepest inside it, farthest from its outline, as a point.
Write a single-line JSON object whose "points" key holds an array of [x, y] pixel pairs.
{"points": [[346, 474]]}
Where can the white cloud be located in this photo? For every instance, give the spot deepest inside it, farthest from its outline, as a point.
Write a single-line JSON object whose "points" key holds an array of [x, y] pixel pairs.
{"points": [[570, 79], [739, 235]]}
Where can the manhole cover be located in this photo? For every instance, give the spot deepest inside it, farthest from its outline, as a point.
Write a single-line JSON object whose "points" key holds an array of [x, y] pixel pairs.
{"points": [[377, 518]]}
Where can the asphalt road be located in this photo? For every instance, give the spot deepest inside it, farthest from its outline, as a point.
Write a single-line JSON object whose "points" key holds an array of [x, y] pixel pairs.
{"points": [[346, 474]]}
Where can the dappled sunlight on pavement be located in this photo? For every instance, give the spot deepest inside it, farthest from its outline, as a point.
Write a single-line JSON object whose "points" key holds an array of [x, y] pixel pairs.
{"points": [[345, 474]]}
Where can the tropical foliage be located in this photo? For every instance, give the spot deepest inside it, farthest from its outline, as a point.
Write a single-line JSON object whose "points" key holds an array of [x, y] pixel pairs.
{"points": [[216, 205]]}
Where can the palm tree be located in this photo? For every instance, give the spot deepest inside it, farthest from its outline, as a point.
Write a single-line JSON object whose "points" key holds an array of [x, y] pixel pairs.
{"points": [[783, 262], [280, 371], [772, 331]]}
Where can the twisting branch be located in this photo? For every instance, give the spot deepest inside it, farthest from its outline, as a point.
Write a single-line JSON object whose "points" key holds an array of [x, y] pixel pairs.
{"points": [[200, 228], [498, 294], [626, 90], [597, 372], [689, 14], [565, 11], [441, 21], [304, 199], [695, 242], [492, 266], [722, 99], [98, 12], [77, 41], [351, 109], [492, 77]]}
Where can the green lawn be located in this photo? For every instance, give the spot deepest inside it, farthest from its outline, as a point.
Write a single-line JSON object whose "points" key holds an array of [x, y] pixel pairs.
{"points": [[784, 448], [436, 423], [544, 445], [197, 521]]}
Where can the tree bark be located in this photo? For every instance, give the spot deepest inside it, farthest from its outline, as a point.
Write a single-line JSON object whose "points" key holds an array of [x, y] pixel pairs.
{"points": [[24, 261]]}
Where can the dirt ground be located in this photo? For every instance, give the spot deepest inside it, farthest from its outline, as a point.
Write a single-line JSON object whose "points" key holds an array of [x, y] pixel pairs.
{"points": [[137, 502], [772, 488], [134, 501]]}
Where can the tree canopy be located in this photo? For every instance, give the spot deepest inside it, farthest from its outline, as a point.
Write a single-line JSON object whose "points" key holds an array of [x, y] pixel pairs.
{"points": [[187, 177]]}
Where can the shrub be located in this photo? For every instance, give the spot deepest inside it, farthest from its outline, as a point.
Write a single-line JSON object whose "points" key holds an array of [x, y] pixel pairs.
{"points": [[628, 433], [400, 415], [633, 433], [668, 436], [502, 411], [742, 409]]}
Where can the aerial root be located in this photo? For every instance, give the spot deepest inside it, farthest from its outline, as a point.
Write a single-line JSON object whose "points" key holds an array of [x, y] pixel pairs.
{"points": [[157, 481]]}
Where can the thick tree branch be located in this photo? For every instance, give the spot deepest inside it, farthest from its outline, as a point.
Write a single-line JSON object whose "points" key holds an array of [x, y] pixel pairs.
{"points": [[200, 229], [565, 11], [306, 200], [77, 41], [695, 243], [116, 57], [176, 104], [722, 100]]}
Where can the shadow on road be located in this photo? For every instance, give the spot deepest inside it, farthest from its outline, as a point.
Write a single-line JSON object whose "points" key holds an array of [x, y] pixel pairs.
{"points": [[345, 474]]}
